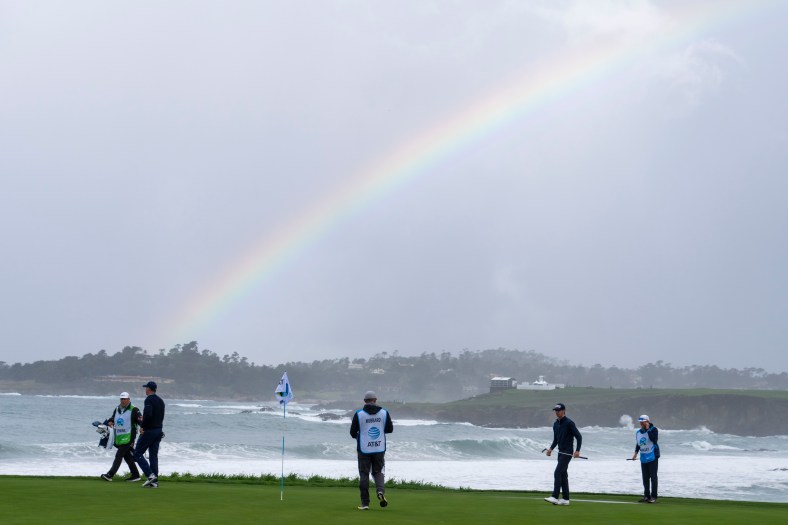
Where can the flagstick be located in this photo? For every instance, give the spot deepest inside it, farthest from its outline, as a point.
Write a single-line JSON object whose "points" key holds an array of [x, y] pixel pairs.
{"points": [[284, 394], [282, 482]]}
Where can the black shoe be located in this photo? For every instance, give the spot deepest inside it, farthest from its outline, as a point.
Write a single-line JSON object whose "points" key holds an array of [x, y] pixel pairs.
{"points": [[652, 500], [644, 499], [106, 477], [133, 478], [382, 499]]}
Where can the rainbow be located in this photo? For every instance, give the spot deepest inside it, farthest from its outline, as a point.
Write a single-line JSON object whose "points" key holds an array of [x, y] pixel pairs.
{"points": [[562, 76]]}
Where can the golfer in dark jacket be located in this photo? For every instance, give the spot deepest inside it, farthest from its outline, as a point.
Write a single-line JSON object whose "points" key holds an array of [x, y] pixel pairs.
{"points": [[564, 433], [152, 424], [369, 428]]}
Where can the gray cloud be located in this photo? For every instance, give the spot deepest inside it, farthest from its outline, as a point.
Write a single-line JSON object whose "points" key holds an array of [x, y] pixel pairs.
{"points": [[636, 217]]}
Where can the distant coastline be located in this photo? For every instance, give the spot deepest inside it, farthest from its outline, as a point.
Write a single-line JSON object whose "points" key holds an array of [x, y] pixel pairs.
{"points": [[737, 412]]}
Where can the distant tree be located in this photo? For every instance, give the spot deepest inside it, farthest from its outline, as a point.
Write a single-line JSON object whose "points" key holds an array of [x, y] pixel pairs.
{"points": [[429, 376]]}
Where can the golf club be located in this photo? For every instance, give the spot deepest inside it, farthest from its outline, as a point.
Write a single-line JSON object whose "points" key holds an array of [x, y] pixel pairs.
{"points": [[565, 454]]}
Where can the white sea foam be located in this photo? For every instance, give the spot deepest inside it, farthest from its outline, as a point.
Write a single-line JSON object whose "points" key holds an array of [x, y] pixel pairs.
{"points": [[416, 422], [626, 421], [257, 408], [706, 446], [69, 396]]}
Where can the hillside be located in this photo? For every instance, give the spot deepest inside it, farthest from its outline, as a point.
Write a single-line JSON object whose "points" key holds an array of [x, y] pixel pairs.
{"points": [[740, 412], [186, 371]]}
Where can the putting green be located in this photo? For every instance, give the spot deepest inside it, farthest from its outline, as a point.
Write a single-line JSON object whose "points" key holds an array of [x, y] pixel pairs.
{"points": [[50, 500]]}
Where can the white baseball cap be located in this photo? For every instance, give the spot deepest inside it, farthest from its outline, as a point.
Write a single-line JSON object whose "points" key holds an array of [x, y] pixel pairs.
{"points": [[644, 417], [124, 395]]}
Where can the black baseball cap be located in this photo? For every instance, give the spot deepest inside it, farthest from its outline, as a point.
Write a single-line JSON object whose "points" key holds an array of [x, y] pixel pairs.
{"points": [[151, 385], [559, 406]]}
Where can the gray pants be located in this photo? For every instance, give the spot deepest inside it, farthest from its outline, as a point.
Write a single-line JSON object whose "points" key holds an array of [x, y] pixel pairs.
{"points": [[376, 464]]}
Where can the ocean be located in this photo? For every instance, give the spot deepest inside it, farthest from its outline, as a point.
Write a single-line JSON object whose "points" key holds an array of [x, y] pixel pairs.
{"points": [[53, 436]]}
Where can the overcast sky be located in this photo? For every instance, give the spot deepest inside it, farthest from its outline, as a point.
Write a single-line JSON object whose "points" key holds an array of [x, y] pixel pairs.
{"points": [[635, 211]]}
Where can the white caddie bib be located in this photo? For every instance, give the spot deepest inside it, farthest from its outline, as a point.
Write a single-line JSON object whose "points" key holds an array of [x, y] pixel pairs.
{"points": [[647, 454], [123, 425], [371, 434]]}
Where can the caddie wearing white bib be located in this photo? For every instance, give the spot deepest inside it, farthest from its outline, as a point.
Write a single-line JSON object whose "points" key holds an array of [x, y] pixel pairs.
{"points": [[369, 428], [124, 421], [646, 438]]}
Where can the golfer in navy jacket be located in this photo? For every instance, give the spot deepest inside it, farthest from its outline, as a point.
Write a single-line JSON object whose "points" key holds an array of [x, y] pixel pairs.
{"points": [[564, 433], [151, 433]]}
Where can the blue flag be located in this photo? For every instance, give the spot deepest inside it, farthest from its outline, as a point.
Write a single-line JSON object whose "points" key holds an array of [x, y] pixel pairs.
{"points": [[283, 391]]}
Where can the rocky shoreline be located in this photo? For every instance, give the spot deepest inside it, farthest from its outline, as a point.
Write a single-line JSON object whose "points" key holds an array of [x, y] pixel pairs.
{"points": [[741, 415]]}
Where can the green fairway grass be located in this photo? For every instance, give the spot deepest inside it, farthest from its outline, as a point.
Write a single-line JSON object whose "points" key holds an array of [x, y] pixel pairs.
{"points": [[51, 500]]}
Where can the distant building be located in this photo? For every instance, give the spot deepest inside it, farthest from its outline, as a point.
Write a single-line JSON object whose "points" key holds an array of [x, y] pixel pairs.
{"points": [[539, 384], [499, 384]]}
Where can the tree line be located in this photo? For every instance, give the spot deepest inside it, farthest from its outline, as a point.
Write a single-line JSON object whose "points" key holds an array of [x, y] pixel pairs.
{"points": [[190, 372]]}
